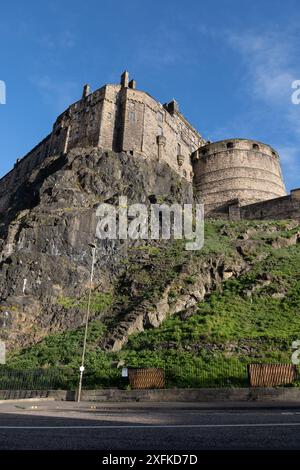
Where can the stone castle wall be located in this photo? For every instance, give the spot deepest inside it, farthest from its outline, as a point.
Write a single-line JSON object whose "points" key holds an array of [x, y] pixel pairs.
{"points": [[119, 118], [22, 169], [122, 118], [286, 207], [160, 131], [236, 169]]}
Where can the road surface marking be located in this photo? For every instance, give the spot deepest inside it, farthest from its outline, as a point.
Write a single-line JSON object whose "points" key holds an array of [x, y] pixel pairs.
{"points": [[163, 426]]}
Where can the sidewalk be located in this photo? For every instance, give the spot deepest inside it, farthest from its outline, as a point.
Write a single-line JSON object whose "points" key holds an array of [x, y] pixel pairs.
{"points": [[218, 405], [88, 406]]}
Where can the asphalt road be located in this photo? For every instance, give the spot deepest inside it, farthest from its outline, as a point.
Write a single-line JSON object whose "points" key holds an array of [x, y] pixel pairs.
{"points": [[71, 426]]}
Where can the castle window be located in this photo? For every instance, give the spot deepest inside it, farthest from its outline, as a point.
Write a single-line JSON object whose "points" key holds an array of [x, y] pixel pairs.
{"points": [[132, 117], [160, 116], [255, 147], [229, 145]]}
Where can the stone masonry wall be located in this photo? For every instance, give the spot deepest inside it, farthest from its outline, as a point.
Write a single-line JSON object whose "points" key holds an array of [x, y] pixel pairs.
{"points": [[236, 169], [287, 207], [121, 118], [146, 120], [21, 170], [114, 117]]}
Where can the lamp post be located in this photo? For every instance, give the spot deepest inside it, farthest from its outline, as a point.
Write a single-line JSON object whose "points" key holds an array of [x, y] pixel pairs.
{"points": [[81, 369]]}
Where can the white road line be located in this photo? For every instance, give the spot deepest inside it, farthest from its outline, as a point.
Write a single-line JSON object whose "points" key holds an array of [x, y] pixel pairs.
{"points": [[163, 426]]}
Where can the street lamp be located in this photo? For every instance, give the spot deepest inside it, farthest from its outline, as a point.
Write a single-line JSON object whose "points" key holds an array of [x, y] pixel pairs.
{"points": [[81, 369]]}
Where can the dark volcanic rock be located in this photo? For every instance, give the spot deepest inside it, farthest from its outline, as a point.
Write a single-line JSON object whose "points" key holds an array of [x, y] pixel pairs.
{"points": [[45, 256]]}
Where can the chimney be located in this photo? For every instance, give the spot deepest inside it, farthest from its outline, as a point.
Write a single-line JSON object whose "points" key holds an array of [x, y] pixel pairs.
{"points": [[172, 107], [125, 79], [86, 91], [132, 84]]}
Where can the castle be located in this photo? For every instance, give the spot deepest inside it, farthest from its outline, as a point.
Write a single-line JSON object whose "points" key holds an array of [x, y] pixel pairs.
{"points": [[228, 176]]}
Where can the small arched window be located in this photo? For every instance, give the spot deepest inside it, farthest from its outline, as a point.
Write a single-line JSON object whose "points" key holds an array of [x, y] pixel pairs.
{"points": [[255, 147], [229, 145]]}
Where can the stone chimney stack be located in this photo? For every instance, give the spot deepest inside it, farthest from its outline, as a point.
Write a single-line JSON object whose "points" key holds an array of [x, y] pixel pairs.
{"points": [[86, 91], [172, 107], [132, 84], [125, 79]]}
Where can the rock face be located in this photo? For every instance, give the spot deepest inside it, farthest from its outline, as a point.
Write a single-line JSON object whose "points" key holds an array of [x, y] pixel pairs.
{"points": [[45, 258]]}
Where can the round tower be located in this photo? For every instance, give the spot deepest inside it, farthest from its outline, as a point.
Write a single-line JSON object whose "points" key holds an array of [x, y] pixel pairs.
{"points": [[236, 169]]}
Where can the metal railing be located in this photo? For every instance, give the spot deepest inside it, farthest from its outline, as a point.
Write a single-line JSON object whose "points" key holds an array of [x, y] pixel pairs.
{"points": [[35, 379], [220, 374], [214, 375]]}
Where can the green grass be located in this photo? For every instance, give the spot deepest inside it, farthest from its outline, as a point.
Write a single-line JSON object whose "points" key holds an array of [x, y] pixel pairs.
{"points": [[100, 301], [264, 324]]}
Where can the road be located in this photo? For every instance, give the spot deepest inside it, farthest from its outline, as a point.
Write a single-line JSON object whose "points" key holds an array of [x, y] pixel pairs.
{"points": [[87, 426]]}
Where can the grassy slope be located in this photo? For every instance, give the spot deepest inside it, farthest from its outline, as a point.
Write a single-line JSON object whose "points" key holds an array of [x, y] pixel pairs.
{"points": [[253, 318]]}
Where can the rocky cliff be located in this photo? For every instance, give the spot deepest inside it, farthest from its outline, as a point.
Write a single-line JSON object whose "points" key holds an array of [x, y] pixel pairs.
{"points": [[44, 240]]}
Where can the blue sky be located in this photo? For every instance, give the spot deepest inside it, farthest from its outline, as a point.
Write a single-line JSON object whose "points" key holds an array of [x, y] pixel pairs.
{"points": [[229, 64]]}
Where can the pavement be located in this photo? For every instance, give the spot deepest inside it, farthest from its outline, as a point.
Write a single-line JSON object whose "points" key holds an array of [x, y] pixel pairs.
{"points": [[40, 425]]}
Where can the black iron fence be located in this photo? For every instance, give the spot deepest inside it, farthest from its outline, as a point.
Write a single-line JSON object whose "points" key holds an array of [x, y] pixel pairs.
{"points": [[36, 379], [221, 374], [214, 375]]}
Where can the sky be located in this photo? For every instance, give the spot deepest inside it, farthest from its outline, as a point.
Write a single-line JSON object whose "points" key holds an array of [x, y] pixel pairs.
{"points": [[230, 65]]}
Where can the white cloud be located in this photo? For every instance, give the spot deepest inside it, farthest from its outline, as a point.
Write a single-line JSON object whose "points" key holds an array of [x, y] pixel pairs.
{"points": [[270, 59], [271, 65]]}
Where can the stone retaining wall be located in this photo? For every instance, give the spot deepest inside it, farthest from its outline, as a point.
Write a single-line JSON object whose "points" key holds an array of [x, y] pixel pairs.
{"points": [[290, 394]]}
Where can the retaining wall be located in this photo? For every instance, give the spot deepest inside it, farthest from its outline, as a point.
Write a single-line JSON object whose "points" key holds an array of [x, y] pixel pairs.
{"points": [[289, 394]]}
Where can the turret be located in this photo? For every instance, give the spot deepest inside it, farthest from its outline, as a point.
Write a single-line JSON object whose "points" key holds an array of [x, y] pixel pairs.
{"points": [[86, 91], [124, 79]]}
